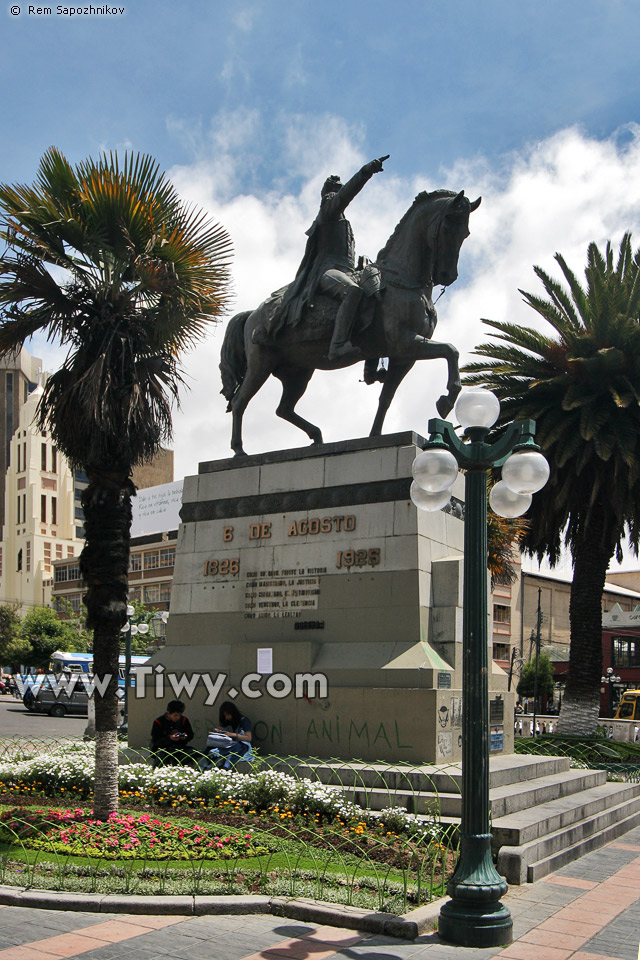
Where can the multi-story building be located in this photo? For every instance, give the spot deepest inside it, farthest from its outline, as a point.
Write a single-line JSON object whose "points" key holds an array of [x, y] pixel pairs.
{"points": [[39, 513], [153, 549], [41, 495], [515, 615], [19, 376]]}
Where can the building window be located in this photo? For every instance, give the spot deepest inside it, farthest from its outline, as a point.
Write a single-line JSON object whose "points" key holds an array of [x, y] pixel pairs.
{"points": [[43, 456], [151, 560], [54, 460], [167, 557], [70, 552], [43, 508], [54, 510], [625, 652], [68, 571], [18, 511], [19, 563], [24, 508], [152, 593], [135, 593], [135, 562], [28, 545], [501, 614], [58, 551], [0, 561], [500, 651], [72, 602], [47, 556]]}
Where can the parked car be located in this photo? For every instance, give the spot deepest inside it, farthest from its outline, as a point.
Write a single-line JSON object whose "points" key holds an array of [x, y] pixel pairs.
{"points": [[57, 703]]}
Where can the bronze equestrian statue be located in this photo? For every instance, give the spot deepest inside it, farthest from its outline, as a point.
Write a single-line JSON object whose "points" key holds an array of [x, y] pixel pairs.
{"points": [[334, 315]]}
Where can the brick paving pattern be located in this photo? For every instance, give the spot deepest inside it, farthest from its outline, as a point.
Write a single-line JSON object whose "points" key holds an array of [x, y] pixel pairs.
{"points": [[589, 910]]}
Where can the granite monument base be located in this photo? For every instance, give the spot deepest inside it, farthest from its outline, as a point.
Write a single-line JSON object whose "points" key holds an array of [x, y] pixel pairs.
{"points": [[310, 591]]}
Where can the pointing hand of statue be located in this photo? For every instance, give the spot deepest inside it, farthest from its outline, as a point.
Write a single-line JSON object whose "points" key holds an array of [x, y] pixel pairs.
{"points": [[380, 161]]}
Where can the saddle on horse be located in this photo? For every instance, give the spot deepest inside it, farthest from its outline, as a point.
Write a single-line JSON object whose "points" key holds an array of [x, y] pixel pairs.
{"points": [[318, 318]]}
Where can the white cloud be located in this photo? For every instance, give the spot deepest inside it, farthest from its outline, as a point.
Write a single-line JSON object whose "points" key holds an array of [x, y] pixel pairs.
{"points": [[555, 195]]}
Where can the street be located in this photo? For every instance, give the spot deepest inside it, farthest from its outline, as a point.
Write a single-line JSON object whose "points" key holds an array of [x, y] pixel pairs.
{"points": [[17, 721]]}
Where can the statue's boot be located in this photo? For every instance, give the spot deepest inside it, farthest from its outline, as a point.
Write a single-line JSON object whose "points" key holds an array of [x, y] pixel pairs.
{"points": [[371, 372], [340, 346]]}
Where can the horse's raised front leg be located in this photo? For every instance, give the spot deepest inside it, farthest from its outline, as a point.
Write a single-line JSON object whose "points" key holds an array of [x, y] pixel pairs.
{"points": [[294, 384], [419, 348], [254, 378], [398, 369]]}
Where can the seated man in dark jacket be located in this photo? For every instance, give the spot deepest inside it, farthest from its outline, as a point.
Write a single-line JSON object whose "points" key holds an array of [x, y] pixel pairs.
{"points": [[170, 735]]}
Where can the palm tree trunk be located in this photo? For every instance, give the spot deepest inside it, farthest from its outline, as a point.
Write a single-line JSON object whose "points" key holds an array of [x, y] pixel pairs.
{"points": [[581, 703], [104, 564]]}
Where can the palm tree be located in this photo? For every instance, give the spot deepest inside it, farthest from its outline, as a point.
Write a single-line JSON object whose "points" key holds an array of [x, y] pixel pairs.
{"points": [[105, 258], [581, 383]]}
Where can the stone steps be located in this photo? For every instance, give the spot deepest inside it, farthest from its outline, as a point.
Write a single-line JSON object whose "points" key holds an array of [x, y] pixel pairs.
{"points": [[505, 800], [562, 830], [544, 814], [444, 778]]}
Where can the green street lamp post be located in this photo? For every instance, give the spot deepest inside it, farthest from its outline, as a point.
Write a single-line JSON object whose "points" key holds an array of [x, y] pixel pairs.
{"points": [[130, 629], [609, 679], [474, 916]]}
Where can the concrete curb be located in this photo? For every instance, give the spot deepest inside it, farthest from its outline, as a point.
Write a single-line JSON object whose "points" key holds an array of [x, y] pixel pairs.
{"points": [[406, 927]]}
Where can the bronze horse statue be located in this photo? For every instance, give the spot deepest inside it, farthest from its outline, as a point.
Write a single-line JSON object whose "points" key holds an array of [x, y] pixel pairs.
{"points": [[396, 322]]}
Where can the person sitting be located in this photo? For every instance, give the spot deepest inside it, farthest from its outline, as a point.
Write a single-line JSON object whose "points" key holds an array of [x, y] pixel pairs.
{"points": [[170, 735], [238, 729]]}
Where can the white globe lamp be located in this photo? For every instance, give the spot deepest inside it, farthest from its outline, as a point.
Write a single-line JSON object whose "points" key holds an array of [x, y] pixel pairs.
{"points": [[526, 471], [477, 408], [429, 501], [435, 469], [506, 503]]}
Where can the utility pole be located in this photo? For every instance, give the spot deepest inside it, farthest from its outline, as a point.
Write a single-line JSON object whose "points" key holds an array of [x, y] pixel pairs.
{"points": [[535, 671]]}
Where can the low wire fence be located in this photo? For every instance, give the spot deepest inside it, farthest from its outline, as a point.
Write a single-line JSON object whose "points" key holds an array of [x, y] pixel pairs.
{"points": [[371, 835], [620, 760]]}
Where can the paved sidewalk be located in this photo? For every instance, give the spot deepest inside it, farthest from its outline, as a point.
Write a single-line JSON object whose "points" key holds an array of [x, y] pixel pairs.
{"points": [[589, 910]]}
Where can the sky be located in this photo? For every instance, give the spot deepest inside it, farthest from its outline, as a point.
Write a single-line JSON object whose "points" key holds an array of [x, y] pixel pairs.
{"points": [[249, 104]]}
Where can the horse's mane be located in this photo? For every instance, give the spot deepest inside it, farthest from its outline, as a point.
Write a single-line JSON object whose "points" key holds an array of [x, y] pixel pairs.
{"points": [[419, 200]]}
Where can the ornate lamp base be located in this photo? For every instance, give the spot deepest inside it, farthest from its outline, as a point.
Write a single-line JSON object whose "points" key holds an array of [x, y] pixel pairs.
{"points": [[475, 917], [485, 925]]}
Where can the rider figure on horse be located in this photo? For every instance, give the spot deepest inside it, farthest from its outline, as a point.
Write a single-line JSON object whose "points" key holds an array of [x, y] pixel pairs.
{"points": [[328, 265]]}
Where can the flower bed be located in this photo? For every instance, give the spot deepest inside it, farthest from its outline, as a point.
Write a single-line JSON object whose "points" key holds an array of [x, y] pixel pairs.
{"points": [[67, 772], [121, 837]]}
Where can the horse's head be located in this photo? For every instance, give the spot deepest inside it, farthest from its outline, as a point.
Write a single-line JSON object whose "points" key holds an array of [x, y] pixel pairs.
{"points": [[450, 229]]}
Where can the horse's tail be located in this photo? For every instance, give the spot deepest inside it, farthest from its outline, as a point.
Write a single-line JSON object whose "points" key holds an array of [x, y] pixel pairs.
{"points": [[233, 358]]}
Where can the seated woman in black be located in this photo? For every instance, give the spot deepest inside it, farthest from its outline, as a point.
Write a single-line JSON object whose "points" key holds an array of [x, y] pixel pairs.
{"points": [[238, 728], [170, 735]]}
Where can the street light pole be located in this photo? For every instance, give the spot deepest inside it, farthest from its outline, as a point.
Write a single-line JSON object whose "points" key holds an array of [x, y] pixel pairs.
{"points": [[474, 916], [610, 679], [130, 629]]}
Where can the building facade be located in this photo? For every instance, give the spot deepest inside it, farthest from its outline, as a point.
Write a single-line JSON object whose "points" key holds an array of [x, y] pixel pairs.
{"points": [[151, 565], [154, 532], [19, 376], [39, 514]]}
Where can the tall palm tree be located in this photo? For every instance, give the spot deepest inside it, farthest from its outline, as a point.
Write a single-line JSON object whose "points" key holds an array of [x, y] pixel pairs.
{"points": [[581, 383], [105, 258]]}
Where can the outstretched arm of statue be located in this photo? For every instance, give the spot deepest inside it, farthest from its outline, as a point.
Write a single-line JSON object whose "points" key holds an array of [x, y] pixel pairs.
{"points": [[353, 186]]}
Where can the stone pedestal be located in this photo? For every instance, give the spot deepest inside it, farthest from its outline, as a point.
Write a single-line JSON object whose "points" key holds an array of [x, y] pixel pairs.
{"points": [[310, 590]]}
